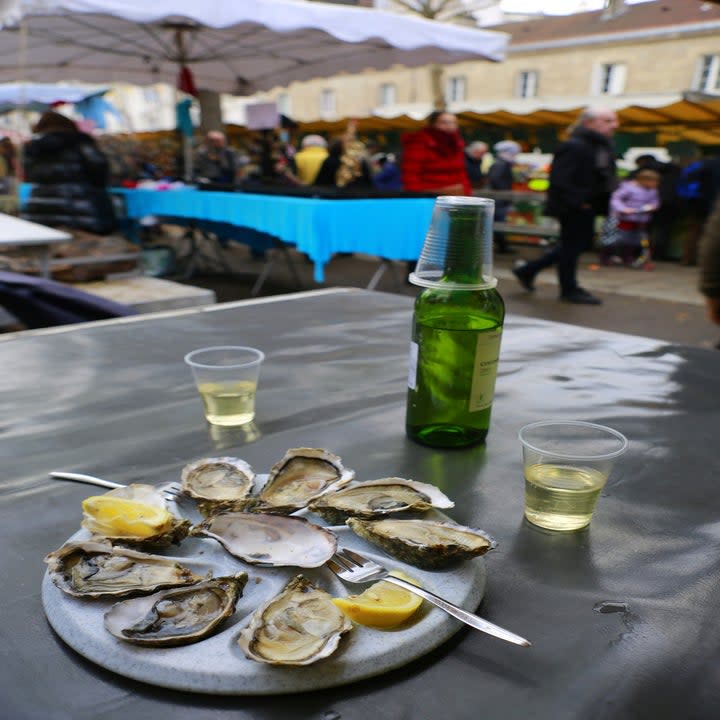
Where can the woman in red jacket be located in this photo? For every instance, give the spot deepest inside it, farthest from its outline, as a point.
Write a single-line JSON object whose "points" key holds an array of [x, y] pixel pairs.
{"points": [[433, 159]]}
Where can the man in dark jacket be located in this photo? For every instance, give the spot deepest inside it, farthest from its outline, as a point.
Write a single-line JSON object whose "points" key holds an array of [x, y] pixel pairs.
{"points": [[581, 180]]}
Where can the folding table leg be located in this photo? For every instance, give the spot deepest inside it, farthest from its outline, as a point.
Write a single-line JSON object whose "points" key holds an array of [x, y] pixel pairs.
{"points": [[280, 245], [377, 276]]}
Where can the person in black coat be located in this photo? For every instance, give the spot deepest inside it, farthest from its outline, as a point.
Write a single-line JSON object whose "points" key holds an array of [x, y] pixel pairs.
{"points": [[581, 180], [69, 174]]}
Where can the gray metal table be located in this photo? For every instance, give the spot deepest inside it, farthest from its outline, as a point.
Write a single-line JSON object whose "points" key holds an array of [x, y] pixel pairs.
{"points": [[17, 233], [114, 399]]}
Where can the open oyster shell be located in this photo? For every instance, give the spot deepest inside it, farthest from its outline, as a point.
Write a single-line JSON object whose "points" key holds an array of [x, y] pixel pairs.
{"points": [[272, 540], [298, 626], [178, 616], [97, 570], [301, 475], [378, 498], [424, 543], [171, 531], [218, 483]]}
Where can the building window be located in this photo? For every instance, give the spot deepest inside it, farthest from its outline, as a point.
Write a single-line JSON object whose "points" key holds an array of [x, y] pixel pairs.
{"points": [[609, 79], [327, 102], [455, 89], [527, 83], [283, 104], [707, 78], [386, 94]]}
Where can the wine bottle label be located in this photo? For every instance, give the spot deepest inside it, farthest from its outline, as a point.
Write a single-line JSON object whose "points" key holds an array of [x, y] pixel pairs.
{"points": [[487, 352], [412, 366]]}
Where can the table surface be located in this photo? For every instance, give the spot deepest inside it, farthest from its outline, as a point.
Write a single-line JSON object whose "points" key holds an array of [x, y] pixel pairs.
{"points": [[17, 232], [114, 399]]}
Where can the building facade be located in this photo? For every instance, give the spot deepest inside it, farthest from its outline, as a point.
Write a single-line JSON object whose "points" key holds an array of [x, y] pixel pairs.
{"points": [[638, 54]]}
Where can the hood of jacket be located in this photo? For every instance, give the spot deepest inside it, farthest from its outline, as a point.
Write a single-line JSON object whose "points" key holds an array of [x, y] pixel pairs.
{"points": [[53, 142]]}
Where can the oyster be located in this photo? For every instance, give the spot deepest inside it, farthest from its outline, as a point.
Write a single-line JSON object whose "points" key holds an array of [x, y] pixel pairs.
{"points": [[267, 539], [95, 570], [218, 483], [298, 626], [423, 543], [377, 498], [178, 616], [301, 475], [134, 515]]}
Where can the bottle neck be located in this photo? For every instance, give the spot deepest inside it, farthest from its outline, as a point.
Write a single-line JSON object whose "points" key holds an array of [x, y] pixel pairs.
{"points": [[464, 252]]}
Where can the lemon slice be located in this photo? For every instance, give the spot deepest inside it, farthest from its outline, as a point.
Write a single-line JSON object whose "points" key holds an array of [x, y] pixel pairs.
{"points": [[382, 605], [119, 517]]}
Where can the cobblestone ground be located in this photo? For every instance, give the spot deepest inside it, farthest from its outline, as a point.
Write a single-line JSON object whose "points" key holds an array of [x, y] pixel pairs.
{"points": [[662, 302]]}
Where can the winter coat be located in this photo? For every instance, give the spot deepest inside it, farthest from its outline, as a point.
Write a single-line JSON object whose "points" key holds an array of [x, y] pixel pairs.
{"points": [[308, 162], [327, 175], [69, 174], [582, 173], [633, 196], [430, 165]]}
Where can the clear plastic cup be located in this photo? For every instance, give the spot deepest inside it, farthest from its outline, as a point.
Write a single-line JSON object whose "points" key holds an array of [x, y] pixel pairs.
{"points": [[458, 247], [226, 376], [566, 465]]}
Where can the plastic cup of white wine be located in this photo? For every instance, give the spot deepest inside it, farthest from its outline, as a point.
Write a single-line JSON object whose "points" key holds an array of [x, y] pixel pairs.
{"points": [[566, 465], [226, 376]]}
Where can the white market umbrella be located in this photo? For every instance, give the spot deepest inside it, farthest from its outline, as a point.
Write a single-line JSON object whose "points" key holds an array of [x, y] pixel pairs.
{"points": [[238, 47]]}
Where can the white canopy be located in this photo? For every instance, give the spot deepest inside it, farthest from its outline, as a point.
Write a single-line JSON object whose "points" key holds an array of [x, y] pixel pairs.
{"points": [[235, 47]]}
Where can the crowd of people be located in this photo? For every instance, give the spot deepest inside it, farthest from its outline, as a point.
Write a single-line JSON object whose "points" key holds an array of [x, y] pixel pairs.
{"points": [[70, 172]]}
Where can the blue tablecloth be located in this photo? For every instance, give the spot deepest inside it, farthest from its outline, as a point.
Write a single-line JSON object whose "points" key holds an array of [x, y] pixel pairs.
{"points": [[389, 228], [392, 228]]}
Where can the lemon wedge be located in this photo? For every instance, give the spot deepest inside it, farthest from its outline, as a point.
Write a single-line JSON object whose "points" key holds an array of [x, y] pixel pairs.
{"points": [[119, 517], [382, 605]]}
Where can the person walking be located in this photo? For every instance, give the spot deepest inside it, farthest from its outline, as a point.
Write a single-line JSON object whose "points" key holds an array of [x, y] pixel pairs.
{"points": [[581, 180]]}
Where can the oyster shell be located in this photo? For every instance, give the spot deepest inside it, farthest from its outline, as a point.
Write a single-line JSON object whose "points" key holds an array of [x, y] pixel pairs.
{"points": [[271, 540], [298, 626], [218, 483], [377, 498], [158, 529], [96, 570], [178, 616], [423, 543], [301, 475]]}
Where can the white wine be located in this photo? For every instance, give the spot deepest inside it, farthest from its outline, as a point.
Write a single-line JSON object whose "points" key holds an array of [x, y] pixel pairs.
{"points": [[457, 328], [561, 497], [229, 403]]}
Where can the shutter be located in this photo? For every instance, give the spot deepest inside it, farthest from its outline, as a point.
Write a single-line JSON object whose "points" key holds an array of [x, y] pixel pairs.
{"points": [[596, 79], [532, 84], [618, 78]]}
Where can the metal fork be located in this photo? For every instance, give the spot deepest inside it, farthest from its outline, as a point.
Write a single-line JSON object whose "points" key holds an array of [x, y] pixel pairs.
{"points": [[171, 490], [351, 567]]}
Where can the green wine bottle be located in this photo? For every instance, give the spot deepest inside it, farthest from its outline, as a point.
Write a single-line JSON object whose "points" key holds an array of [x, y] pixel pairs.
{"points": [[457, 327]]}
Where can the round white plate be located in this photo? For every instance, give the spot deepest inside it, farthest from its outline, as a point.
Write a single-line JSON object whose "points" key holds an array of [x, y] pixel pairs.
{"points": [[217, 665]]}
